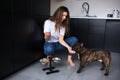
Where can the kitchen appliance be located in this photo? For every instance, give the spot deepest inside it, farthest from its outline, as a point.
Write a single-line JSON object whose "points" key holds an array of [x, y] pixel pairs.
{"points": [[116, 13]]}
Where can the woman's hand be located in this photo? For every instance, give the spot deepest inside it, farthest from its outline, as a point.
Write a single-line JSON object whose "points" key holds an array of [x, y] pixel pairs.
{"points": [[71, 51], [62, 42]]}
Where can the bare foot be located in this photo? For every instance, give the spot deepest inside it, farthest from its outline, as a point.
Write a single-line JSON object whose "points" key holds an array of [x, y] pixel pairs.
{"points": [[72, 64]]}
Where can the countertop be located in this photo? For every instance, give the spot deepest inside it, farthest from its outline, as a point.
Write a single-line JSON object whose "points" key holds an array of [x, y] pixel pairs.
{"points": [[82, 17]]}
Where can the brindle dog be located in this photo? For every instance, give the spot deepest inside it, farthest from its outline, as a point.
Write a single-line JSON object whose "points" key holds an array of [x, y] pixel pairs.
{"points": [[89, 55]]}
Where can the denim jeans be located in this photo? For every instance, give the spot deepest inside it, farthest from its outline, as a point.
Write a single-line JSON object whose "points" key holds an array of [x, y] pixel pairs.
{"points": [[50, 48]]}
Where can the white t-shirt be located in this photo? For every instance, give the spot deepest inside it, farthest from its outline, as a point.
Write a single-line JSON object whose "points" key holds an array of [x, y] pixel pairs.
{"points": [[49, 26]]}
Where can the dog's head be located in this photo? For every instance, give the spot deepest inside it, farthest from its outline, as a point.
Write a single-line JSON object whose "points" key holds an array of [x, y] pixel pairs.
{"points": [[77, 47]]}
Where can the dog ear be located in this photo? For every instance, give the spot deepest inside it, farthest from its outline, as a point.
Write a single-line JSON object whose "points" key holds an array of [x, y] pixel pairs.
{"points": [[81, 44]]}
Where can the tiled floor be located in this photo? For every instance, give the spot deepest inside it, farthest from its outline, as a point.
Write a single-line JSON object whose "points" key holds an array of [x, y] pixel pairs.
{"points": [[90, 72]]}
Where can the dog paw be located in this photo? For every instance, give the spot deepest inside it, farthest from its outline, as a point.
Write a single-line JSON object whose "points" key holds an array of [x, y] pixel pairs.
{"points": [[102, 69], [106, 74], [78, 71]]}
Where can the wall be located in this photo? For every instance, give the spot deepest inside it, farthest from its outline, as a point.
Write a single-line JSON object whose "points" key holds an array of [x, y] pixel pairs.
{"points": [[99, 8]]}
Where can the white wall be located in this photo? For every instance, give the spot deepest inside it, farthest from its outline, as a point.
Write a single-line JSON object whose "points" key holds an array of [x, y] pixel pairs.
{"points": [[99, 8]]}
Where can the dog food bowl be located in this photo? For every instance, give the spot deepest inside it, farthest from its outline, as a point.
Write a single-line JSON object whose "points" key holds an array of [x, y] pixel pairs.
{"points": [[44, 61], [56, 59]]}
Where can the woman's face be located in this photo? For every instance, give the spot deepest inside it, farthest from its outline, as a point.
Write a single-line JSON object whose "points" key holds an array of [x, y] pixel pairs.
{"points": [[64, 15]]}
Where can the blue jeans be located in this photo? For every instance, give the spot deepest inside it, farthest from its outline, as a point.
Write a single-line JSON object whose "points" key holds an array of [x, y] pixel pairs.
{"points": [[50, 48]]}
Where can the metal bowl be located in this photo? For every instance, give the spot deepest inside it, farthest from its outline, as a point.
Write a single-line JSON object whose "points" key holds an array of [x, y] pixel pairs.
{"points": [[56, 59], [44, 61]]}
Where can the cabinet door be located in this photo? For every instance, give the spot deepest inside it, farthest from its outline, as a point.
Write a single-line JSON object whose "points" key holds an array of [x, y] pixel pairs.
{"points": [[22, 8], [73, 27], [5, 38], [79, 28], [82, 28], [96, 33], [40, 7], [112, 35]]}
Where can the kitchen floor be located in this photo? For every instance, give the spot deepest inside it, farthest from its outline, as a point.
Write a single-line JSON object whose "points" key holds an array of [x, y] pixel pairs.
{"points": [[90, 72]]}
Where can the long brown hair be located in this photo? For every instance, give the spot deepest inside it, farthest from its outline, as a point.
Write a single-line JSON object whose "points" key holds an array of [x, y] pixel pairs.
{"points": [[57, 18]]}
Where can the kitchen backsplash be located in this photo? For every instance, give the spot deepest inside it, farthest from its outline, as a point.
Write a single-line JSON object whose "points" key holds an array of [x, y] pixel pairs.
{"points": [[98, 8]]}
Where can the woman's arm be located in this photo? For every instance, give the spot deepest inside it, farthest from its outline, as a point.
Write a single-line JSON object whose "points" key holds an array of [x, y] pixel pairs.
{"points": [[47, 36], [62, 42]]}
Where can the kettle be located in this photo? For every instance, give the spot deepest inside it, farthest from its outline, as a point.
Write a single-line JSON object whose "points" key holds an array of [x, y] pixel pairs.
{"points": [[116, 13]]}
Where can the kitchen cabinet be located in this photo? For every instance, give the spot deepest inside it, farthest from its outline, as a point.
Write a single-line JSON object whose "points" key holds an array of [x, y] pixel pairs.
{"points": [[89, 31], [96, 33], [21, 34], [83, 28], [73, 27], [21, 8], [112, 35], [6, 54], [28, 8], [40, 7], [79, 28], [5, 39]]}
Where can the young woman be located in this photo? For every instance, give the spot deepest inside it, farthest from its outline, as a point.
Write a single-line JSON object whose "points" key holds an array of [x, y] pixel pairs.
{"points": [[55, 28]]}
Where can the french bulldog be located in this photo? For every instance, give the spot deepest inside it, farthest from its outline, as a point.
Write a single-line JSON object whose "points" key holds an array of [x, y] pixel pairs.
{"points": [[90, 55]]}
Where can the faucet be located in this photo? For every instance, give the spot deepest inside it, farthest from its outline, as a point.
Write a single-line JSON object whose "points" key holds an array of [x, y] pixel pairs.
{"points": [[85, 7]]}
